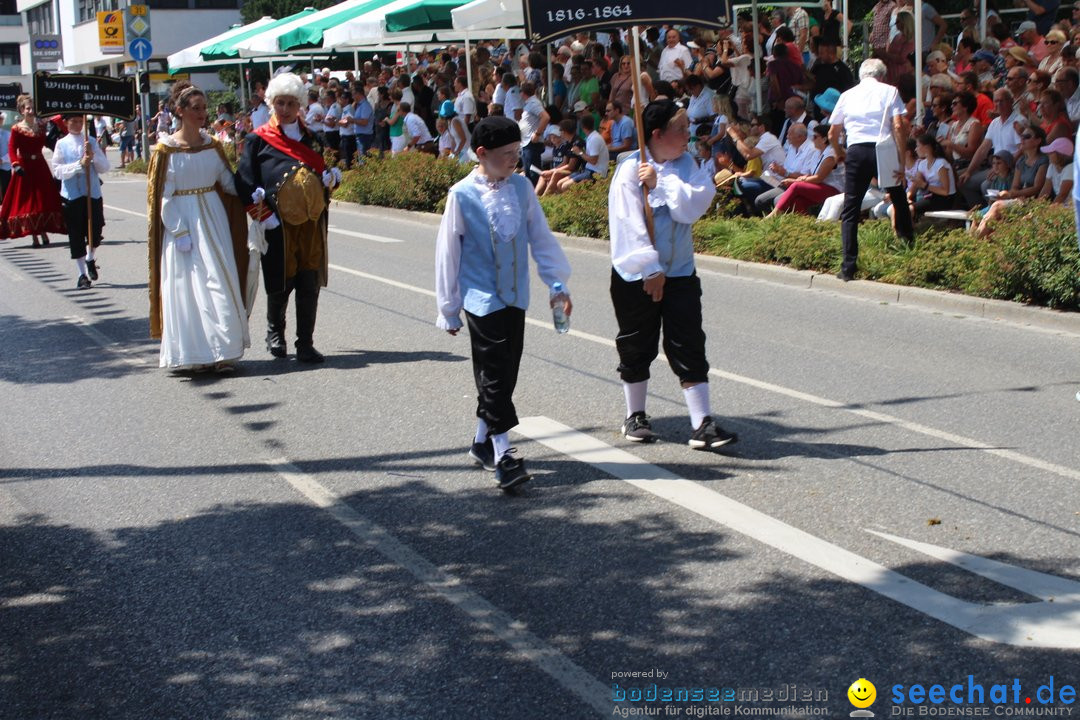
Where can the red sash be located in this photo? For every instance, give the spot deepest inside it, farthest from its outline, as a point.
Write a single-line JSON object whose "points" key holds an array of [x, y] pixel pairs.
{"points": [[293, 148]]}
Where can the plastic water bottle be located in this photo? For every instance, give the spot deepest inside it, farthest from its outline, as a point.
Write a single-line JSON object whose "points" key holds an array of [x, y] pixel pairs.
{"points": [[558, 311]]}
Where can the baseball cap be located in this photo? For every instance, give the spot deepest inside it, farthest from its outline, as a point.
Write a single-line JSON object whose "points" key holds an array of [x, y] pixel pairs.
{"points": [[1061, 145], [1025, 26], [984, 55], [1006, 157], [579, 106], [692, 45]]}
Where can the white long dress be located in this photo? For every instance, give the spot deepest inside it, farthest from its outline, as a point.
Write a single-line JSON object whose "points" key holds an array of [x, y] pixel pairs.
{"points": [[202, 304]]}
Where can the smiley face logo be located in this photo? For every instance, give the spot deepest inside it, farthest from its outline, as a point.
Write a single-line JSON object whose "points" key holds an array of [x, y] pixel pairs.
{"points": [[862, 693]]}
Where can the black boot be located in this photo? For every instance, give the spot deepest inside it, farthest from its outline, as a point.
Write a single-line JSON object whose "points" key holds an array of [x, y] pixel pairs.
{"points": [[276, 305], [307, 307]]}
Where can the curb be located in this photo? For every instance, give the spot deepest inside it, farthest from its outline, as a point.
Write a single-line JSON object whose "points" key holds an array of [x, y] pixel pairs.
{"points": [[926, 299]]}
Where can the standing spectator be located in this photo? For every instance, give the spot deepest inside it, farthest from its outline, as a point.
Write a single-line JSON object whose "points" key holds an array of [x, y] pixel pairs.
{"points": [[831, 26], [879, 31], [508, 96], [827, 69], [1041, 14], [456, 140], [313, 117], [588, 89], [127, 143], [699, 108], [799, 22], [776, 21], [533, 123], [675, 58], [622, 83], [260, 114], [784, 75], [162, 121], [347, 127], [332, 122], [865, 114], [464, 103], [365, 124], [381, 116]]}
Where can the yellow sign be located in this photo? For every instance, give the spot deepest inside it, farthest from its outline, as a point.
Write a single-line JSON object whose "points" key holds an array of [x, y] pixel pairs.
{"points": [[111, 31], [137, 9]]}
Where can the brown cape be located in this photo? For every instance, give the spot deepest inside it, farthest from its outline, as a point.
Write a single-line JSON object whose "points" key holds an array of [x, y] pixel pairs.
{"points": [[234, 211]]}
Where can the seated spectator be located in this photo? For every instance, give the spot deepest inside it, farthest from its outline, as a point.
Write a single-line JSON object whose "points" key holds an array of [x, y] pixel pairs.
{"points": [[940, 119], [1031, 40], [767, 149], [1067, 82], [594, 154], [1058, 188], [934, 184], [828, 71], [1055, 43], [800, 159], [1001, 136], [1055, 123], [825, 103], [1028, 178], [983, 67], [718, 132], [966, 133], [564, 161], [984, 106], [806, 191]]}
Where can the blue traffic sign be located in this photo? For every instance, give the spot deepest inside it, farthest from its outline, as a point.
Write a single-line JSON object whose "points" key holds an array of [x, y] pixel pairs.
{"points": [[140, 49]]}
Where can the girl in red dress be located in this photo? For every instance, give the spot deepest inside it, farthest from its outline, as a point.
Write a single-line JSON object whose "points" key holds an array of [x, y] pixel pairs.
{"points": [[32, 204]]}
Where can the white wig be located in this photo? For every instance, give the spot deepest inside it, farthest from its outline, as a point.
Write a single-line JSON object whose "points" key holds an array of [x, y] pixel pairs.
{"points": [[285, 84]]}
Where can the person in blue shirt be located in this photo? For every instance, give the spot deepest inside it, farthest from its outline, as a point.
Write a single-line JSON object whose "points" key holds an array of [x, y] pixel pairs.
{"points": [[363, 122], [491, 224], [78, 165], [623, 133]]}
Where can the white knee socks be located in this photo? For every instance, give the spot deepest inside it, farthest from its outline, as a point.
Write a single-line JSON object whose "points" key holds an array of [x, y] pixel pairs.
{"points": [[501, 442], [81, 262], [635, 396], [481, 431], [697, 402]]}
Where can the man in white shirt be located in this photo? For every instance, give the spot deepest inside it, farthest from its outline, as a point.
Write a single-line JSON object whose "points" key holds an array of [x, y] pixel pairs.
{"points": [[313, 116], [868, 113], [464, 102], [419, 135], [1067, 82], [1000, 135], [508, 96], [533, 122], [261, 114], [594, 154], [675, 59], [800, 158]]}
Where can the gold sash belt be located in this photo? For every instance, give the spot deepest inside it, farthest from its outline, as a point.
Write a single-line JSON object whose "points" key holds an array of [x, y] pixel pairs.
{"points": [[194, 191]]}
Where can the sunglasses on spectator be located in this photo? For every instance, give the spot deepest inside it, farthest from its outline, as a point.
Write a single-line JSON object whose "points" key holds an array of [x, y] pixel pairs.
{"points": [[1026, 136], [1052, 42]]}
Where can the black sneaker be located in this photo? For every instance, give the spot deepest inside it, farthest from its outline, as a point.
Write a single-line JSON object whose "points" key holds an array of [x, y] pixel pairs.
{"points": [[84, 283], [483, 454], [711, 436], [91, 269], [636, 428], [510, 471]]}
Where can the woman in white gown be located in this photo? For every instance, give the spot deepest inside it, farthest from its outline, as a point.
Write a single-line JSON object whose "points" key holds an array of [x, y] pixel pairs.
{"points": [[196, 246]]}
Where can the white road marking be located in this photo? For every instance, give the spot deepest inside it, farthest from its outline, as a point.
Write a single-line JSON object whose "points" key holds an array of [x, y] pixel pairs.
{"points": [[959, 440], [526, 645], [124, 210], [364, 236], [1046, 624]]}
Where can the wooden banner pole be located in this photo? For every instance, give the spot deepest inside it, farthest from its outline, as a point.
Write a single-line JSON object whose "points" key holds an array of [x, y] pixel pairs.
{"points": [[639, 106]]}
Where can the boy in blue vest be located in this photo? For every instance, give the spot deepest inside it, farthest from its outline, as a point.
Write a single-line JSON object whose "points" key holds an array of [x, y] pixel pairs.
{"points": [[78, 166], [492, 221], [654, 283]]}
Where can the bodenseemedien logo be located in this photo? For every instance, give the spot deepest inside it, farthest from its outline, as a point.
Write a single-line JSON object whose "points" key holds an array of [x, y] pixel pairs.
{"points": [[862, 694]]}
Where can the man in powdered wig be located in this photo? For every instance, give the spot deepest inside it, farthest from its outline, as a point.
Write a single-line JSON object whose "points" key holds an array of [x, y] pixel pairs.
{"points": [[283, 174]]}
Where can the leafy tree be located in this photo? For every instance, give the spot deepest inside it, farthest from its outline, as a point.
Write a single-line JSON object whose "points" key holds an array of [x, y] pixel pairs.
{"points": [[252, 10]]}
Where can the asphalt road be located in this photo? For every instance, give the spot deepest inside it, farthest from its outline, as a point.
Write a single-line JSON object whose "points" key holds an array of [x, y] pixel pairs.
{"points": [[293, 542]]}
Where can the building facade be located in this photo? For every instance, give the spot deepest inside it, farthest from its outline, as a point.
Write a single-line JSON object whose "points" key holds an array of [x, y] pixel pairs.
{"points": [[175, 25]]}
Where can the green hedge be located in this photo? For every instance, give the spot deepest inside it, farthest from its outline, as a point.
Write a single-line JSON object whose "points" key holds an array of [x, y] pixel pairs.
{"points": [[410, 181]]}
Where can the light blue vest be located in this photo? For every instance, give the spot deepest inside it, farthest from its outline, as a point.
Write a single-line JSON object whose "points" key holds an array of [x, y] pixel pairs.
{"points": [[494, 274], [674, 241], [75, 187]]}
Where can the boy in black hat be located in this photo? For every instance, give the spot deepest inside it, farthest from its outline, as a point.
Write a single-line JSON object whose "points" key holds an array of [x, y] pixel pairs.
{"points": [[654, 284], [491, 223]]}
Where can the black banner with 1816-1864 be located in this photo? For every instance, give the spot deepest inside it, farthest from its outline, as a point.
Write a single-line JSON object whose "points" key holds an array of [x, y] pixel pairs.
{"points": [[548, 19], [90, 94], [8, 94]]}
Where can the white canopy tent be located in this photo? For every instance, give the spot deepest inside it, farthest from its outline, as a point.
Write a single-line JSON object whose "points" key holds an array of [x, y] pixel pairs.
{"points": [[190, 56], [267, 43], [370, 29]]}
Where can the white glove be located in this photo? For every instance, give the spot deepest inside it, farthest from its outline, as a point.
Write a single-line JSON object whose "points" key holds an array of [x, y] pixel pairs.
{"points": [[331, 178], [271, 222], [258, 196], [183, 242]]}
